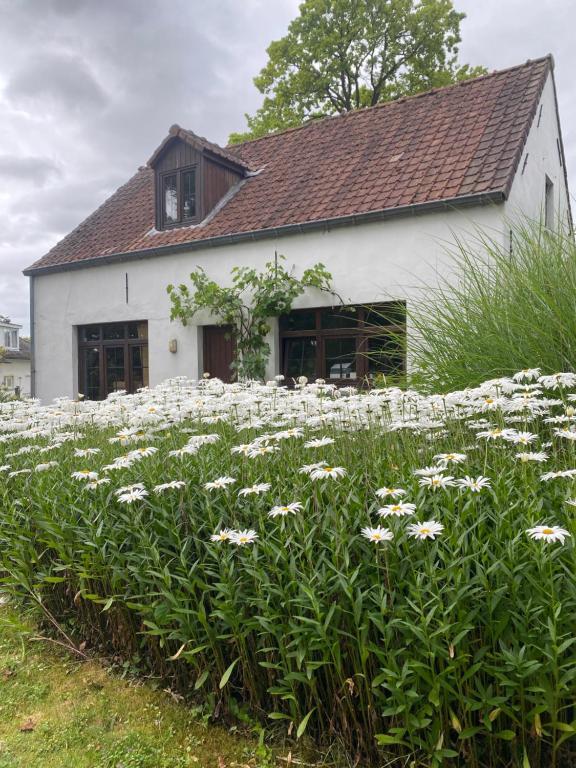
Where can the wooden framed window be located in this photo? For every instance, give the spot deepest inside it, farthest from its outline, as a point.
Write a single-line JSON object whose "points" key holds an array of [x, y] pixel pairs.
{"points": [[344, 345], [178, 197], [112, 357]]}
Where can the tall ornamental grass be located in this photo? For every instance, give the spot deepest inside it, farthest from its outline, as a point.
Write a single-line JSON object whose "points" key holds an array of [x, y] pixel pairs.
{"points": [[510, 306], [392, 572]]}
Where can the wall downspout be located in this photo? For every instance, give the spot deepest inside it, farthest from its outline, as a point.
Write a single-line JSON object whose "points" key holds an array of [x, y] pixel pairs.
{"points": [[32, 341]]}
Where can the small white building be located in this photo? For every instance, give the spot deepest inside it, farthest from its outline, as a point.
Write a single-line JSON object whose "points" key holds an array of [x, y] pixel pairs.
{"points": [[14, 360], [375, 195]]}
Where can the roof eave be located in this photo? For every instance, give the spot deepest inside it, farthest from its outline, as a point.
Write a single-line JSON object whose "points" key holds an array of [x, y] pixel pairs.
{"points": [[355, 219]]}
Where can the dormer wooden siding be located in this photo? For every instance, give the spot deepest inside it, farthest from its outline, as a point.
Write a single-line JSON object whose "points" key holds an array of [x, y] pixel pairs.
{"points": [[182, 158]]}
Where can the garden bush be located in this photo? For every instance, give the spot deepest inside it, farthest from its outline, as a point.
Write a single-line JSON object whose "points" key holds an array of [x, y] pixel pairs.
{"points": [[392, 571], [508, 306]]}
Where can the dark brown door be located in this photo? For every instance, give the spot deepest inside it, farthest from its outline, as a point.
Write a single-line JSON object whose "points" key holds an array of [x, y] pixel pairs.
{"points": [[218, 352]]}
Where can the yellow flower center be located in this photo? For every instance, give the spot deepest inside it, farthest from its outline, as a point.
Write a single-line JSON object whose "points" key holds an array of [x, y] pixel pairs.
{"points": [[489, 400], [424, 530], [435, 482], [328, 469], [396, 508], [376, 536], [547, 531]]}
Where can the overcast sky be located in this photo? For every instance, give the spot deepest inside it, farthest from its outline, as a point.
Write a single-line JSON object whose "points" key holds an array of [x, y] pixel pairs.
{"points": [[89, 88]]}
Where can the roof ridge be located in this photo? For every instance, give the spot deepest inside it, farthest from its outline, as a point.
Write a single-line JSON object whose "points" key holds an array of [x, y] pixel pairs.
{"points": [[400, 100]]}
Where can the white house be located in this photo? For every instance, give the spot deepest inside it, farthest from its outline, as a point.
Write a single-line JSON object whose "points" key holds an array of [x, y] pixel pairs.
{"points": [[375, 195], [14, 359]]}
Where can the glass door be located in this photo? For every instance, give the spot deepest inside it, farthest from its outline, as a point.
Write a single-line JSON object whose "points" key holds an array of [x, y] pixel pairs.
{"points": [[114, 369], [112, 357]]}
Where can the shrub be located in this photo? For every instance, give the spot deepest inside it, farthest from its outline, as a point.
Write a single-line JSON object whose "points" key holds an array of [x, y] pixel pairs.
{"points": [[509, 309], [453, 650]]}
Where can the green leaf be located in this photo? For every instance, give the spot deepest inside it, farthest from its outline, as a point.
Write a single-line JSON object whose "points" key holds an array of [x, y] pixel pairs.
{"points": [[304, 723], [201, 680], [226, 676]]}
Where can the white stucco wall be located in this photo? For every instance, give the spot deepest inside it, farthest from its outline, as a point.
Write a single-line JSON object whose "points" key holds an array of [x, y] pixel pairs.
{"points": [[540, 158], [20, 370], [373, 262]]}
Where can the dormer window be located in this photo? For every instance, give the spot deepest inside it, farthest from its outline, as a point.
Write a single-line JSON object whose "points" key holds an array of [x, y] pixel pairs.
{"points": [[178, 197], [192, 175]]}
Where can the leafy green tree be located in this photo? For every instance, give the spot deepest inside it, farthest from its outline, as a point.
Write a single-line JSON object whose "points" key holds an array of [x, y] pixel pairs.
{"points": [[247, 306], [341, 55]]}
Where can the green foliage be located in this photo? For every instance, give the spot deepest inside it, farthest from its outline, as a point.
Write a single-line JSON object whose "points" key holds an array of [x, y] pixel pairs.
{"points": [[454, 652], [340, 55], [247, 306], [504, 311]]}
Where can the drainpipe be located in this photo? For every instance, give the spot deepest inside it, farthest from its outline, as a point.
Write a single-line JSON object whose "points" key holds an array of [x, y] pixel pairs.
{"points": [[32, 341]]}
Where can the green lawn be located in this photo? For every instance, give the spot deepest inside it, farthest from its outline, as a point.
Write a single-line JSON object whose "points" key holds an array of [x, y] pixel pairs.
{"points": [[56, 712]]}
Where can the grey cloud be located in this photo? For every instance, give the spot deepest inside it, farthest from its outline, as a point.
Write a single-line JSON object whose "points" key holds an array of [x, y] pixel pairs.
{"points": [[37, 170], [55, 80]]}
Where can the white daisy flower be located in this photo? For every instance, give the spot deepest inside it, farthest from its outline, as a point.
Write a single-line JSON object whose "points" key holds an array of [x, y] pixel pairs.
{"points": [[429, 471], [17, 472], [85, 474], [427, 530], [128, 488], [558, 473], [224, 534], [280, 511], [261, 450], [527, 374], [450, 458], [520, 438], [220, 482], [257, 489], [319, 442], [325, 472], [96, 483], [143, 453], [167, 486], [436, 481], [241, 538], [399, 509], [4, 467], [526, 456], [244, 449], [568, 433], [308, 468], [81, 452], [548, 533], [136, 494], [473, 484], [44, 467], [493, 434], [394, 493], [378, 535]]}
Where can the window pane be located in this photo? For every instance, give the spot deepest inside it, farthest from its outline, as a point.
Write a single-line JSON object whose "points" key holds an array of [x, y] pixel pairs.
{"points": [[189, 195], [115, 376], [300, 358], [6, 338], [391, 313], [339, 317], [170, 195], [340, 358], [298, 321], [138, 330], [14, 339], [90, 333], [386, 355], [113, 332], [139, 362], [91, 373]]}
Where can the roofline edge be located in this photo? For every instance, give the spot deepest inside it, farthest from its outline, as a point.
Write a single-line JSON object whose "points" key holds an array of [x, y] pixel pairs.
{"points": [[480, 198]]}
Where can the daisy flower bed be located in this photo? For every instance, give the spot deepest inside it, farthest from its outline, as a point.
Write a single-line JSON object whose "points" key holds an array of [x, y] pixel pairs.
{"points": [[392, 571]]}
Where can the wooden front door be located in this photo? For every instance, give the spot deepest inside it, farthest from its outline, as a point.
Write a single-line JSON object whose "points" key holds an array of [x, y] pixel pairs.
{"points": [[218, 352]]}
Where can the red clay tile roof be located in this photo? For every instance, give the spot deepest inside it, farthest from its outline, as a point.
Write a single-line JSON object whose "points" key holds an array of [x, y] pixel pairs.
{"points": [[455, 142]]}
